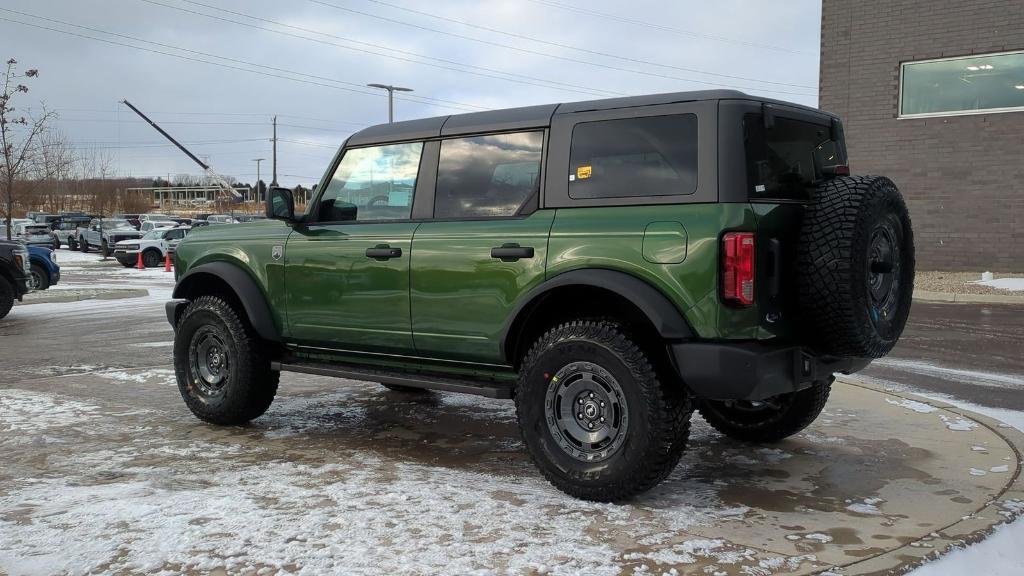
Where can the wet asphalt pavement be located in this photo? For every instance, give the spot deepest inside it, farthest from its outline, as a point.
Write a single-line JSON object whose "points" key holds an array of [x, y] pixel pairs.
{"points": [[974, 352], [106, 471]]}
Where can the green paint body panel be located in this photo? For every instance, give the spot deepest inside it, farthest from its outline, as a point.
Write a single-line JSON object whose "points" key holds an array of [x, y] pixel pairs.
{"points": [[461, 296], [613, 238], [337, 297], [446, 299], [248, 246]]}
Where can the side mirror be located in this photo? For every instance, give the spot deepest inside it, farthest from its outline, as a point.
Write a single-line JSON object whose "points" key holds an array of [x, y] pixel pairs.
{"points": [[279, 204]]}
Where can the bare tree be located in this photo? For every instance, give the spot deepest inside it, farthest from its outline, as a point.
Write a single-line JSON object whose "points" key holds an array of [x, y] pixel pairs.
{"points": [[19, 136], [56, 170]]}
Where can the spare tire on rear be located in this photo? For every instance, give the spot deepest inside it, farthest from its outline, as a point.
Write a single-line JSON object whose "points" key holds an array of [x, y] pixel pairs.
{"points": [[855, 267]]}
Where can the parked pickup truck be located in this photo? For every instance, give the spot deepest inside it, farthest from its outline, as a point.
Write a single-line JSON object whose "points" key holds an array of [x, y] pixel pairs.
{"points": [[65, 231], [154, 246], [103, 233], [14, 272]]}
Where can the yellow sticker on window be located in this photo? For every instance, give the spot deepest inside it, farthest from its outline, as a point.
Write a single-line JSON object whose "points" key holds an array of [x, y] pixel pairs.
{"points": [[584, 172]]}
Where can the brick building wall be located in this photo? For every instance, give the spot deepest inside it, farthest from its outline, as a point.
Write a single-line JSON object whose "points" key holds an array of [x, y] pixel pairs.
{"points": [[963, 176]]}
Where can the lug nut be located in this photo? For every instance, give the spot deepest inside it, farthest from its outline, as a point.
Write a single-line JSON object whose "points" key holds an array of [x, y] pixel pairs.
{"points": [[580, 416], [591, 425], [591, 394], [581, 400], [602, 418], [602, 404]]}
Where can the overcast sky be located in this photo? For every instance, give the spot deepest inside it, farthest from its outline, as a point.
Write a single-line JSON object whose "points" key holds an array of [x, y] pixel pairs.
{"points": [[216, 70]]}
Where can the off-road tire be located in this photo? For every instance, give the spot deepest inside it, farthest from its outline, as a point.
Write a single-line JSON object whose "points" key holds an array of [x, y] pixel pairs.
{"points": [[125, 263], [6, 297], [658, 412], [250, 385], [849, 305], [72, 245], [151, 258], [742, 421], [41, 278]]}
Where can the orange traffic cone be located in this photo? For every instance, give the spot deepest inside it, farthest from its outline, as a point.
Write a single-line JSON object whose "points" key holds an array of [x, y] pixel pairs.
{"points": [[141, 266], [167, 262]]}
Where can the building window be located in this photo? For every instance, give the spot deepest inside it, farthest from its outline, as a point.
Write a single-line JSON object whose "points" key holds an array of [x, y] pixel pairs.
{"points": [[650, 156], [966, 85]]}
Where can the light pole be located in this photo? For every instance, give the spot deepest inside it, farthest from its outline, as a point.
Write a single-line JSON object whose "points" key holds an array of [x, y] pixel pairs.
{"points": [[257, 161], [391, 97]]}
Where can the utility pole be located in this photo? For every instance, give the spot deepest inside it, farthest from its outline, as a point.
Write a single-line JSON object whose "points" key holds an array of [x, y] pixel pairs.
{"points": [[273, 182], [257, 161], [391, 97]]}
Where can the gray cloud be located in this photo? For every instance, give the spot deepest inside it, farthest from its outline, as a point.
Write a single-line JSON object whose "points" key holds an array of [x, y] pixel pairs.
{"points": [[83, 79]]}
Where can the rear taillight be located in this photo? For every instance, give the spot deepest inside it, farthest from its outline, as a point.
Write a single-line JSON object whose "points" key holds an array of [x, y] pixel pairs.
{"points": [[738, 268]]}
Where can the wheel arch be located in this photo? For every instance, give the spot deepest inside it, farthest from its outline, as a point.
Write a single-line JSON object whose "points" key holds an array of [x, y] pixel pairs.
{"points": [[635, 298], [233, 282]]}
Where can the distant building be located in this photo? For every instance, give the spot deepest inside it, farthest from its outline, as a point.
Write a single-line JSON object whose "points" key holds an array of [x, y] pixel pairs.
{"points": [[188, 197], [931, 93]]}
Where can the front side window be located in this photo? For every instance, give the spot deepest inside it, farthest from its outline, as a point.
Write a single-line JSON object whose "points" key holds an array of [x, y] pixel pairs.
{"points": [[488, 176], [968, 85], [652, 156], [374, 183], [787, 160]]}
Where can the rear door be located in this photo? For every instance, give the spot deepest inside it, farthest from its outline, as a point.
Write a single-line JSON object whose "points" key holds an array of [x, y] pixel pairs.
{"points": [[485, 245], [347, 268]]}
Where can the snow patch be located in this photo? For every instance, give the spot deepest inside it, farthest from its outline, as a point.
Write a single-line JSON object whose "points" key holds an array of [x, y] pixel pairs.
{"points": [[867, 506], [1011, 284], [999, 469], [27, 411], [919, 407], [958, 424], [977, 472]]}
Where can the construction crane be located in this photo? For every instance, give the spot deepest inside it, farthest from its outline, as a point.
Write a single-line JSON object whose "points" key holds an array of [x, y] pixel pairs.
{"points": [[221, 182]]}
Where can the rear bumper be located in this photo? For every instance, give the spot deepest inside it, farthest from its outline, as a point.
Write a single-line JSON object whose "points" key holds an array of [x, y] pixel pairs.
{"points": [[753, 371]]}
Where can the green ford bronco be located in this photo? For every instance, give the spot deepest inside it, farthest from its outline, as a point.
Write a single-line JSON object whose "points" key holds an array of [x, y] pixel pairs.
{"points": [[611, 265]]}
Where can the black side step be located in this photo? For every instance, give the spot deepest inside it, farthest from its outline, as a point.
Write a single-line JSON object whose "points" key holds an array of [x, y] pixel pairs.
{"points": [[447, 384]]}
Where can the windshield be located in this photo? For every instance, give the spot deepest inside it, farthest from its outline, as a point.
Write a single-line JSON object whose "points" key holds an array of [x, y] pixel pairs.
{"points": [[117, 225], [154, 235], [786, 160]]}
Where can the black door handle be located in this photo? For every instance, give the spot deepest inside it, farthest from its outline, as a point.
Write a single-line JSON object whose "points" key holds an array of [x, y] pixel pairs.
{"points": [[512, 252], [383, 252]]}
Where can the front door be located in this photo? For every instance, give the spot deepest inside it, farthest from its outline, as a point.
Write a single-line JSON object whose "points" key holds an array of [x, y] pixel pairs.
{"points": [[347, 268], [484, 247]]}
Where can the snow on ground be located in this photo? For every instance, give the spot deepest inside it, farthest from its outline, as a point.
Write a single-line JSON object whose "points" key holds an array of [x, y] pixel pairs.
{"points": [[979, 377], [1012, 284]]}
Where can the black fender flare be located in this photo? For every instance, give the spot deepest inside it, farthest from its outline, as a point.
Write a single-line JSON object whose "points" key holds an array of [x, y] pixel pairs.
{"points": [[666, 318], [244, 286]]}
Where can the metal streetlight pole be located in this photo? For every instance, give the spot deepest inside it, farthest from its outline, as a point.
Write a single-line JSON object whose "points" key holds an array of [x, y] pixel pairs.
{"points": [[257, 161], [391, 97]]}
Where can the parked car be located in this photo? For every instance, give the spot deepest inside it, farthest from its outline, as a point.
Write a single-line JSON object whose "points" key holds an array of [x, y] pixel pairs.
{"points": [[197, 223], [15, 222], [182, 221], [245, 218], [154, 246], [610, 265], [65, 231], [44, 270], [103, 233], [132, 219], [154, 216], [220, 219], [150, 225], [15, 270], [34, 234]]}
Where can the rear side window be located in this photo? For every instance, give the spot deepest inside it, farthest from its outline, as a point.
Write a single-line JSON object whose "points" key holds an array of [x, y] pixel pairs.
{"points": [[786, 160], [651, 156], [487, 176]]}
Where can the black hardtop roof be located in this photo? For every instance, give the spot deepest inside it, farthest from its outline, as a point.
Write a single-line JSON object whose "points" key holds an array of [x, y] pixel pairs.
{"points": [[532, 116]]}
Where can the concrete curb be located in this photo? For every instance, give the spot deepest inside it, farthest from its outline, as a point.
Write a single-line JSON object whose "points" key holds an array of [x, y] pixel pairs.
{"points": [[110, 294], [1005, 508], [929, 296]]}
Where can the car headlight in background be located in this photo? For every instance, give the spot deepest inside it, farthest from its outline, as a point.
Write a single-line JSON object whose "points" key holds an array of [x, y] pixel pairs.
{"points": [[53, 256]]}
